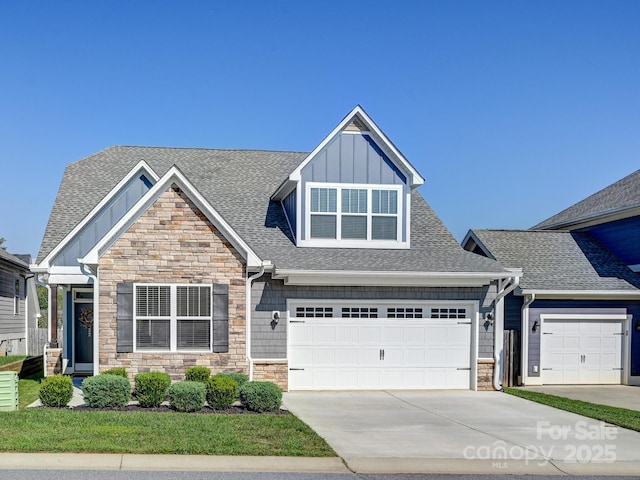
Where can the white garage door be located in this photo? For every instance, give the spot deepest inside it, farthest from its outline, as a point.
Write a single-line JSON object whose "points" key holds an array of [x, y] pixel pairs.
{"points": [[582, 352], [366, 353]]}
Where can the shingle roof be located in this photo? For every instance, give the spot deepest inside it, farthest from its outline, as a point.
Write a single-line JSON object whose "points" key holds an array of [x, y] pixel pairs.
{"points": [[6, 257], [238, 184], [553, 260], [620, 195]]}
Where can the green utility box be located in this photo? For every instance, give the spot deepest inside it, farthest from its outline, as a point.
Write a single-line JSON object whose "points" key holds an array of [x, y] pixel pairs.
{"points": [[8, 391]]}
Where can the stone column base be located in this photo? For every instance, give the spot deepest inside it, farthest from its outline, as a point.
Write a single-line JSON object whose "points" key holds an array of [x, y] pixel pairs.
{"points": [[276, 371], [54, 361], [485, 374]]}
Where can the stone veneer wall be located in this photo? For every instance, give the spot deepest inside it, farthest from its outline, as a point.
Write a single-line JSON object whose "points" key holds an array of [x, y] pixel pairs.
{"points": [[276, 371], [485, 374], [172, 242], [54, 361]]}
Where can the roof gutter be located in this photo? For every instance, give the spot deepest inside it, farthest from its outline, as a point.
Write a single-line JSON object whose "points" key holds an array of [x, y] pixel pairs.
{"points": [[505, 288]]}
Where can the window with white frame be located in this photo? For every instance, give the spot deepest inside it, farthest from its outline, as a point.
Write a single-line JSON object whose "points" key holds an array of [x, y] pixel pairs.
{"points": [[16, 297], [354, 212], [173, 317]]}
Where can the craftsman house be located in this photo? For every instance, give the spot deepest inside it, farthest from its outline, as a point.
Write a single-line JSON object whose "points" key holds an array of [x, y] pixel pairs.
{"points": [[320, 270]]}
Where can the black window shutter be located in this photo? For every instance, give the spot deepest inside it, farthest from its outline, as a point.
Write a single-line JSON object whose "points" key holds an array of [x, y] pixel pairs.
{"points": [[220, 318], [124, 318]]}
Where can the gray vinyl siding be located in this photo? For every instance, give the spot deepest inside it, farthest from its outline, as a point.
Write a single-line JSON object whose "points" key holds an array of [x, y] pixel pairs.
{"points": [[108, 216], [11, 325], [538, 308], [270, 341], [353, 158], [289, 205]]}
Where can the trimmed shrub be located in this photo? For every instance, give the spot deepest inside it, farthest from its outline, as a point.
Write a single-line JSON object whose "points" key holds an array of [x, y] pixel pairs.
{"points": [[197, 374], [261, 396], [56, 391], [120, 371], [106, 391], [151, 388], [187, 396], [221, 392], [241, 378]]}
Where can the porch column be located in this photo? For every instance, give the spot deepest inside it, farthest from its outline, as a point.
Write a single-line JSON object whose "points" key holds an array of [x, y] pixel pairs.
{"points": [[53, 315]]}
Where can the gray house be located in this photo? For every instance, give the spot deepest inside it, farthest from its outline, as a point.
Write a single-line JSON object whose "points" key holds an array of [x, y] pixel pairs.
{"points": [[577, 306], [17, 309], [320, 270]]}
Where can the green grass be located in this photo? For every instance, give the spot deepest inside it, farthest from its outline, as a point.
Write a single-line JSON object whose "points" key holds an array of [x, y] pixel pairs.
{"points": [[63, 430], [28, 390], [621, 417], [10, 359]]}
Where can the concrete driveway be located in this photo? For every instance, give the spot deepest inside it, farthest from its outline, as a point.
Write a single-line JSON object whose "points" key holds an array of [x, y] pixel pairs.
{"points": [[463, 432]]}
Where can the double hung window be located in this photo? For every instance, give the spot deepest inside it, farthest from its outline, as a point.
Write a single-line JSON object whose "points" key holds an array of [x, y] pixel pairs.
{"points": [[173, 317], [355, 213]]}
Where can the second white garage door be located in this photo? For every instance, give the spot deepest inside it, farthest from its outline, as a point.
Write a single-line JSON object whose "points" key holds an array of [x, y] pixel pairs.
{"points": [[578, 351], [365, 353]]}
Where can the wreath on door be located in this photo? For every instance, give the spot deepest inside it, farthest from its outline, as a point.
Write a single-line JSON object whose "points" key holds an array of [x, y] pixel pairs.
{"points": [[86, 318]]}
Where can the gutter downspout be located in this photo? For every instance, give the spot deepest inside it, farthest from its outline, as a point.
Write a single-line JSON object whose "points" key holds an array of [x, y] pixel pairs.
{"points": [[498, 326], [524, 348], [249, 282]]}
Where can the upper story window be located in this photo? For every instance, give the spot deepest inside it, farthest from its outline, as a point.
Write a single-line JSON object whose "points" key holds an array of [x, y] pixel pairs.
{"points": [[354, 213]]}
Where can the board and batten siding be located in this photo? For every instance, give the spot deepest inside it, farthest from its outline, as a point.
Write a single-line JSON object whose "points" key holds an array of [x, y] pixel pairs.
{"points": [[108, 216], [289, 204], [270, 341], [577, 308], [352, 158]]}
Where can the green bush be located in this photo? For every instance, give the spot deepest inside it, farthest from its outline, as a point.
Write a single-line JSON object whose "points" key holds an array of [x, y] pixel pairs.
{"points": [[120, 371], [187, 396], [56, 391], [106, 391], [261, 396], [241, 378], [151, 388], [221, 392], [197, 374]]}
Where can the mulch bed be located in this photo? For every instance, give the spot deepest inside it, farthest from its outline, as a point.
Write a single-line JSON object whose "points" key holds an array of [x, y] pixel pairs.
{"points": [[234, 410]]}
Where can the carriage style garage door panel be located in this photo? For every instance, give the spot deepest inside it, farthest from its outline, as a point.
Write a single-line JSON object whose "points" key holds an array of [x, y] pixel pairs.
{"points": [[582, 351], [375, 353]]}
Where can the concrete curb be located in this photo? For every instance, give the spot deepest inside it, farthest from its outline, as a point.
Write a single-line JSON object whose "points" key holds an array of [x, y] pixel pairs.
{"points": [[488, 467], [364, 465], [197, 463]]}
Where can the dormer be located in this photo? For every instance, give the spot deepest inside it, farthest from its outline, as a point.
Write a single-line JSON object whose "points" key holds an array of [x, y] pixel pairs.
{"points": [[352, 191]]}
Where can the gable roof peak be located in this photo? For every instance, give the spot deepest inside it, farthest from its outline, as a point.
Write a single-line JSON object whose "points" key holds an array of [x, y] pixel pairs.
{"points": [[357, 120]]}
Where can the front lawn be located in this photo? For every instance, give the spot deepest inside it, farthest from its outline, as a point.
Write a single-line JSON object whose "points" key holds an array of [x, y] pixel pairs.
{"points": [[621, 417], [28, 390], [10, 359], [63, 430]]}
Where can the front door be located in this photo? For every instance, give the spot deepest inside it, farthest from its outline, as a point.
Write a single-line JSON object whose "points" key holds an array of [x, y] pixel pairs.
{"points": [[83, 330]]}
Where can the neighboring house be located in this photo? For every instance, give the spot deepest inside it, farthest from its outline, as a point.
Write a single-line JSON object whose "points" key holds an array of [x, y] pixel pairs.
{"points": [[321, 270], [17, 311], [578, 303]]}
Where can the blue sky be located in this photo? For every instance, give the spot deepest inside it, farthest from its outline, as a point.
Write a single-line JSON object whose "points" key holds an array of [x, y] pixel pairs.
{"points": [[511, 110]]}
